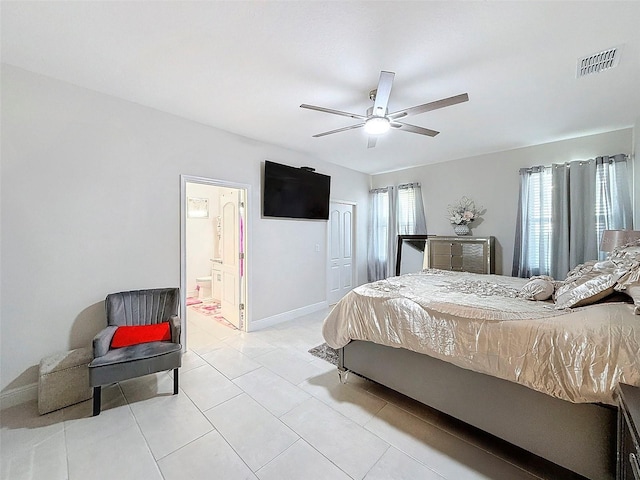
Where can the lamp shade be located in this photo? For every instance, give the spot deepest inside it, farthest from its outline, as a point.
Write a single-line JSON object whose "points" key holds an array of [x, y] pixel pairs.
{"points": [[615, 238]]}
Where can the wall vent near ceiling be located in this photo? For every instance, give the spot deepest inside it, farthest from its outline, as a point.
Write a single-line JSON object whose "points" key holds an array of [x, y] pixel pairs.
{"points": [[598, 62]]}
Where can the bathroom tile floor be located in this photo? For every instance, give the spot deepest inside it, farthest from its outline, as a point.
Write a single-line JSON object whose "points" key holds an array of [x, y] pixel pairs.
{"points": [[253, 406]]}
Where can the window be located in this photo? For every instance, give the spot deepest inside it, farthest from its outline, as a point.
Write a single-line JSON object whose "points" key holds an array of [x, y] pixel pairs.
{"points": [[563, 211], [380, 252], [381, 225], [613, 196], [393, 212], [410, 216], [538, 219]]}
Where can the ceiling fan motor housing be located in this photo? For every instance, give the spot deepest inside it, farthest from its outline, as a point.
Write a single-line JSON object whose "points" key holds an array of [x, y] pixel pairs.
{"points": [[371, 114]]}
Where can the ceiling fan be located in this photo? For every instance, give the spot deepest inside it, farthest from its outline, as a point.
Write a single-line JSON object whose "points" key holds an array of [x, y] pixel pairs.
{"points": [[378, 120]]}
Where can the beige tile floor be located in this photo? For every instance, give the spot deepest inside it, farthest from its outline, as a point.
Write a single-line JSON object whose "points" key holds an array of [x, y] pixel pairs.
{"points": [[253, 406]]}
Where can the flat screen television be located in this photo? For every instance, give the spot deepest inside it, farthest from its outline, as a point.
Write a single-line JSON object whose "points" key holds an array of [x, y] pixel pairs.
{"points": [[292, 192]]}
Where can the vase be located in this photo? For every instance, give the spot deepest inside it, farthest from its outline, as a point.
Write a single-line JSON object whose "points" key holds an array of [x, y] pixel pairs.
{"points": [[461, 230]]}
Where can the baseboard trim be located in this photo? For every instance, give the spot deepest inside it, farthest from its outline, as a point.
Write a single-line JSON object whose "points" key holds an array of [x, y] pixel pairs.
{"points": [[285, 316], [27, 393], [18, 395]]}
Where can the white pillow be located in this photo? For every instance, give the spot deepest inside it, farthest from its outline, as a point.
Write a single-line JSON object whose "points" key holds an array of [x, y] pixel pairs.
{"points": [[587, 289], [626, 254], [634, 292], [537, 289], [579, 270]]}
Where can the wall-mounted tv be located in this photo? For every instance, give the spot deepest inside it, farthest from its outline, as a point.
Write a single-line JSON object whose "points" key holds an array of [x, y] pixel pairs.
{"points": [[292, 192]]}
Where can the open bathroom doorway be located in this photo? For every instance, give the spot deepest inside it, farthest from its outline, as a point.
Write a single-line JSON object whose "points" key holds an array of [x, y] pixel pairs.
{"points": [[213, 262]]}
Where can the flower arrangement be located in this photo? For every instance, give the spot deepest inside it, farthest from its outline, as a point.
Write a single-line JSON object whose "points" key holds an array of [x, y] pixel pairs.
{"points": [[464, 212]]}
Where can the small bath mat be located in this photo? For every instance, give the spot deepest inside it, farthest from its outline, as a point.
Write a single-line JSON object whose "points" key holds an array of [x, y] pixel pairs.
{"points": [[193, 301], [212, 309], [207, 308]]}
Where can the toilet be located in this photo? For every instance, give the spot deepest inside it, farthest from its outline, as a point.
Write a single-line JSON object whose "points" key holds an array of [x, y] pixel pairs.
{"points": [[204, 287]]}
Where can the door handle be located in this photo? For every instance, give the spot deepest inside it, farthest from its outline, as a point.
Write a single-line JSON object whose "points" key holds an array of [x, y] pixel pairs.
{"points": [[635, 467]]}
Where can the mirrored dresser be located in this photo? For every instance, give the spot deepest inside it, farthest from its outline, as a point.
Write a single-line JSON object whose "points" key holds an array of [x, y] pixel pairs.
{"points": [[461, 254]]}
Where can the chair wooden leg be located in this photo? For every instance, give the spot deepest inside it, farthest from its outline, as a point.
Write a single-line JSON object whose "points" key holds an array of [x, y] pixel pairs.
{"points": [[97, 397], [175, 381]]}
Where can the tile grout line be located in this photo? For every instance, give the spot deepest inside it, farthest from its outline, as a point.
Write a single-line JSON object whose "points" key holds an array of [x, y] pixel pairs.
{"points": [[155, 461], [442, 430], [301, 439], [389, 446], [350, 420], [276, 418], [375, 415], [66, 445]]}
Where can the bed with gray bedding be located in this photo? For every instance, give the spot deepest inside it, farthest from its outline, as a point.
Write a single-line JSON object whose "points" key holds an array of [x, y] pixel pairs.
{"points": [[538, 374]]}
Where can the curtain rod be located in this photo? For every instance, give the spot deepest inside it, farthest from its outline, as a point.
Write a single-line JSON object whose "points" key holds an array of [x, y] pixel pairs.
{"points": [[620, 157]]}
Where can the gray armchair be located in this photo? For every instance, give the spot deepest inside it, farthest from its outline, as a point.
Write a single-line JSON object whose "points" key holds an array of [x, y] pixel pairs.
{"points": [[139, 307]]}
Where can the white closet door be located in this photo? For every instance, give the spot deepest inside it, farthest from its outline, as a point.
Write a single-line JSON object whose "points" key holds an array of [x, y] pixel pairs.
{"points": [[341, 241]]}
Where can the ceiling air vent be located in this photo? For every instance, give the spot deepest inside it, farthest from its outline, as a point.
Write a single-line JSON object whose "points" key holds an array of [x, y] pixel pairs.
{"points": [[598, 62]]}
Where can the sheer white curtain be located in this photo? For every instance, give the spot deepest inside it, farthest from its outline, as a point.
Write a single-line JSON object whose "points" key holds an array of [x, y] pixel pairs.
{"points": [[532, 255], [382, 235], [393, 212], [564, 209], [411, 219], [613, 195]]}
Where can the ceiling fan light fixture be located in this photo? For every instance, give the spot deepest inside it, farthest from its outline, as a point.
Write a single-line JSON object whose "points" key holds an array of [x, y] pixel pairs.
{"points": [[377, 125], [377, 121]]}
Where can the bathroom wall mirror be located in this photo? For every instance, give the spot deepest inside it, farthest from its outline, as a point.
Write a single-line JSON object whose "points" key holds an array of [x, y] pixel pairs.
{"points": [[410, 257]]}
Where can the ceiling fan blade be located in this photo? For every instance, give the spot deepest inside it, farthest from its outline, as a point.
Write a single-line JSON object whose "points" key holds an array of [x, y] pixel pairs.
{"points": [[413, 129], [382, 93], [372, 141], [335, 112], [343, 129], [427, 107]]}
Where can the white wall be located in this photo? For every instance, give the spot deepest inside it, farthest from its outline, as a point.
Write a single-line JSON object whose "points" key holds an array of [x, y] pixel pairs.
{"points": [[492, 181], [90, 205], [636, 174]]}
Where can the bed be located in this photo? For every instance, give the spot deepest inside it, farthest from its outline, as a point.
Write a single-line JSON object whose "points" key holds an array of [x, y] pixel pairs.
{"points": [[538, 374]]}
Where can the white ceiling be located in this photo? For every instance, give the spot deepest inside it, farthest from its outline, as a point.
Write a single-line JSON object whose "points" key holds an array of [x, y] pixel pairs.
{"points": [[245, 67]]}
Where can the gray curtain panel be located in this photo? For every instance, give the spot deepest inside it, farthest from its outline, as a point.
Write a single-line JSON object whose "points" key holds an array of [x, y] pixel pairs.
{"points": [[560, 220], [382, 234], [563, 210], [393, 212], [583, 240]]}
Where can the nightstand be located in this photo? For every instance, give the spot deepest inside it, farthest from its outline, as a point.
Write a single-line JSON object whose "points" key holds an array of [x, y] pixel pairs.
{"points": [[628, 432]]}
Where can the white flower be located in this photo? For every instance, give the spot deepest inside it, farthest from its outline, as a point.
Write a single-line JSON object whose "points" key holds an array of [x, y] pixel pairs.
{"points": [[465, 211]]}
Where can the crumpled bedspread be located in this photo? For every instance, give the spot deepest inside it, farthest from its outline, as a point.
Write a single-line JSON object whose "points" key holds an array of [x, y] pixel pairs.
{"points": [[482, 323]]}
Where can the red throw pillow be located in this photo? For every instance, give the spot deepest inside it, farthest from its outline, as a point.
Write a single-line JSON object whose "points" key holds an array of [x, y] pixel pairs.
{"points": [[126, 336]]}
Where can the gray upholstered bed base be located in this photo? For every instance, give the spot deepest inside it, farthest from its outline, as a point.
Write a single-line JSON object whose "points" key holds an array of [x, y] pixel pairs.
{"points": [[579, 437]]}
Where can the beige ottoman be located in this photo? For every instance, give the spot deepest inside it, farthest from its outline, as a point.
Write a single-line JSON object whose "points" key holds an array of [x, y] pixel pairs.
{"points": [[64, 379]]}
